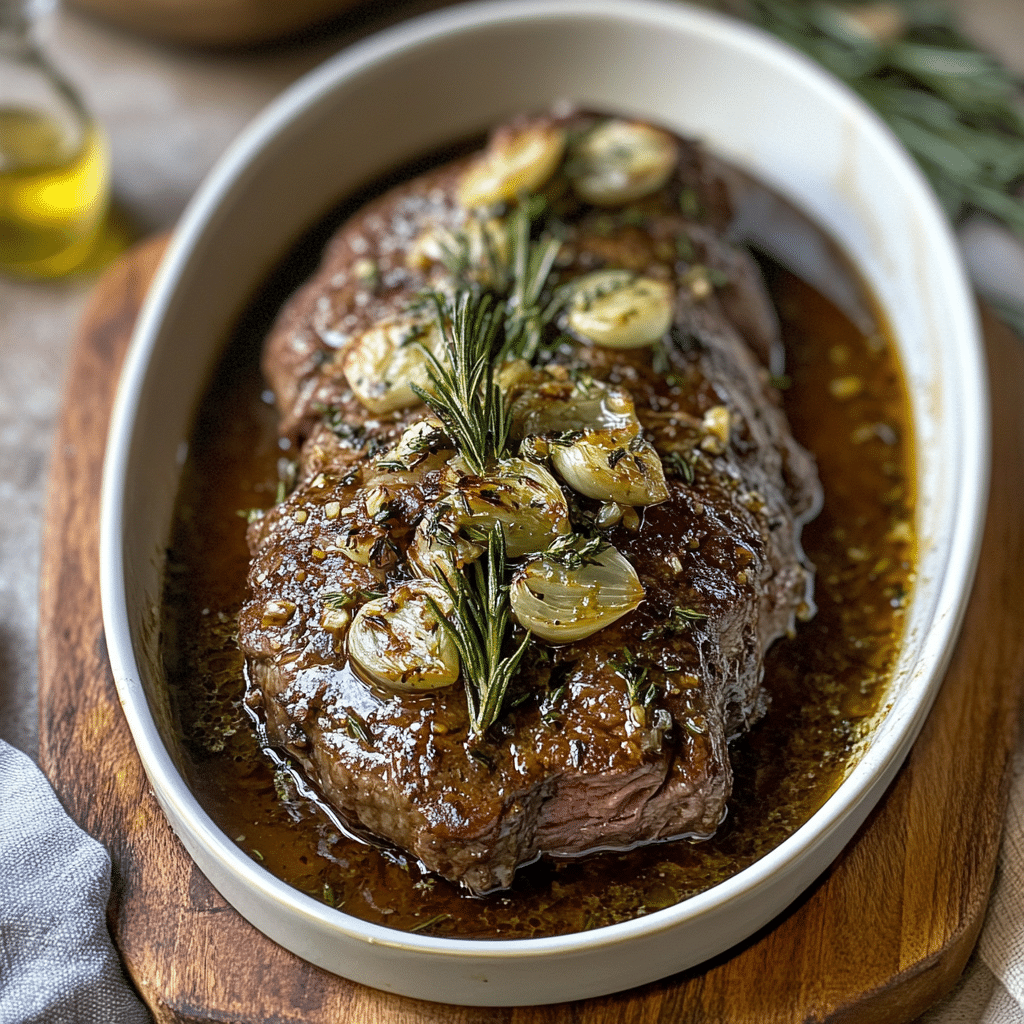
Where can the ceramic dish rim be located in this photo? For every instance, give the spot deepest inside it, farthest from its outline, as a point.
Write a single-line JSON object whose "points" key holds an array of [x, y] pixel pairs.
{"points": [[876, 765]]}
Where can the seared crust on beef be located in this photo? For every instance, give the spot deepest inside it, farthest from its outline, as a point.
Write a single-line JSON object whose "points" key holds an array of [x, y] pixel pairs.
{"points": [[573, 767]]}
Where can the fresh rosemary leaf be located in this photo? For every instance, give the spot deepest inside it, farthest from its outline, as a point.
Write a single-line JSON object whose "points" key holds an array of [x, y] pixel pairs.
{"points": [[464, 393], [479, 627]]}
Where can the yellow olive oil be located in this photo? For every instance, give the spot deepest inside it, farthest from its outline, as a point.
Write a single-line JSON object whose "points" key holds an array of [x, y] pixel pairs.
{"points": [[53, 196]]}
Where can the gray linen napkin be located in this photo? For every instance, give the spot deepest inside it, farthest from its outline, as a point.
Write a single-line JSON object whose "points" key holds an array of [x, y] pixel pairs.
{"points": [[1002, 940], [57, 963]]}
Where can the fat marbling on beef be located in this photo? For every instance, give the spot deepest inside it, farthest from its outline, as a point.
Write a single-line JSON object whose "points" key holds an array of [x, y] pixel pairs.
{"points": [[608, 740]]}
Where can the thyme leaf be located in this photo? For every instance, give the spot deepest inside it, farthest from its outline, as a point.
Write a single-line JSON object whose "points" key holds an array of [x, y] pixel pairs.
{"points": [[679, 621], [341, 599], [678, 464], [572, 552], [635, 675]]}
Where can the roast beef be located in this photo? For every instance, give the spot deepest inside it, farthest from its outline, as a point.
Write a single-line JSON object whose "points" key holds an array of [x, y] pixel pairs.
{"points": [[606, 742]]}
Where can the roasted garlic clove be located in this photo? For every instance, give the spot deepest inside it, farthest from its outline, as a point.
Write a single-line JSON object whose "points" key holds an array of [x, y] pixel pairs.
{"points": [[481, 249], [515, 162], [554, 406], [418, 448], [396, 641], [521, 495], [561, 600], [619, 309], [438, 550], [383, 363], [611, 465], [619, 161]]}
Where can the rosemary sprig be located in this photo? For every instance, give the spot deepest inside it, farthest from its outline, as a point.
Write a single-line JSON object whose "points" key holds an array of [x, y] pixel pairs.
{"points": [[526, 317], [953, 106], [478, 626], [482, 329], [464, 393], [518, 280]]}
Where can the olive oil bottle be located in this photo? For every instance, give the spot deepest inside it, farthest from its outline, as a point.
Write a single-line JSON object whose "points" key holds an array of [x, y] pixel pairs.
{"points": [[54, 164]]}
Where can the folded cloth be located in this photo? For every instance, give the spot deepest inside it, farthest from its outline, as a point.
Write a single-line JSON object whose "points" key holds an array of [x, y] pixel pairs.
{"points": [[57, 962], [1002, 940]]}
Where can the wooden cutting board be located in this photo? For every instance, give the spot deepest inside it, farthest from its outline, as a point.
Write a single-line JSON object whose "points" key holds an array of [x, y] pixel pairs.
{"points": [[881, 936]]}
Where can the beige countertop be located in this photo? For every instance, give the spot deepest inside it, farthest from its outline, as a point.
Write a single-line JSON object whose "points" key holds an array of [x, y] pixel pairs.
{"points": [[169, 113]]}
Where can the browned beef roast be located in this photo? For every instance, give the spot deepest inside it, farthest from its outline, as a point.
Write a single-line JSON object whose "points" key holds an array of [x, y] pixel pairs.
{"points": [[606, 742]]}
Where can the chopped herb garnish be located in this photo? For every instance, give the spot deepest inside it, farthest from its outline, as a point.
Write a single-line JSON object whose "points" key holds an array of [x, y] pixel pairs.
{"points": [[677, 463], [340, 599], [684, 248], [357, 728], [550, 708], [679, 621], [635, 675], [572, 552], [689, 203]]}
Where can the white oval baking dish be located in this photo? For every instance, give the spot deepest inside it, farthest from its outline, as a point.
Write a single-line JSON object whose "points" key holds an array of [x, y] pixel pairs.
{"points": [[441, 78]]}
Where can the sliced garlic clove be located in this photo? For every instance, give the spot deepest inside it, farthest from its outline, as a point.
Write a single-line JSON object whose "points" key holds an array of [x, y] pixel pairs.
{"points": [[619, 161], [368, 546], [618, 309], [516, 374], [611, 465], [397, 642], [561, 604], [521, 495], [383, 363], [515, 162]]}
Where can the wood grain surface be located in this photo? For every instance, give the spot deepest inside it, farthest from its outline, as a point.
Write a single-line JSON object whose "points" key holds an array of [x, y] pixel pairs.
{"points": [[881, 936]]}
